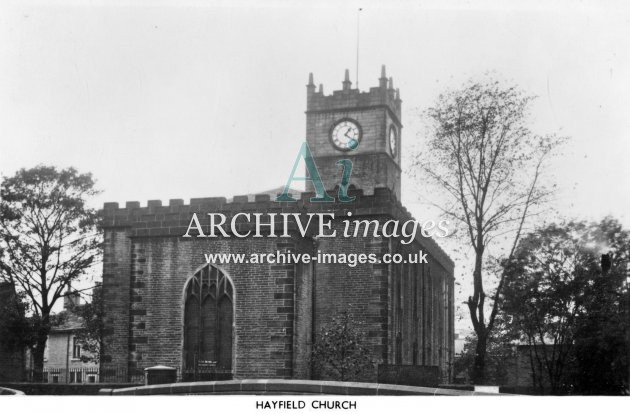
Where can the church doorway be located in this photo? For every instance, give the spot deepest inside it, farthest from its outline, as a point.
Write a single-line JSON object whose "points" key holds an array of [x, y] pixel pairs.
{"points": [[208, 326]]}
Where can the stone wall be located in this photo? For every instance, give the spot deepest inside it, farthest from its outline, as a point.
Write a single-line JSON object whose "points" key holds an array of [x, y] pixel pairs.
{"points": [[278, 307], [375, 112]]}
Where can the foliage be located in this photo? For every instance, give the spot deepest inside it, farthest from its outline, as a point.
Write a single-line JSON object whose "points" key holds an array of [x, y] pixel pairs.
{"points": [[602, 340], [49, 239], [488, 164], [570, 311], [499, 355], [91, 337], [16, 330], [340, 351]]}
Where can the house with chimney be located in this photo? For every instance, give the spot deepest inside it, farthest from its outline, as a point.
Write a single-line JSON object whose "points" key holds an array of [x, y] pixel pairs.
{"points": [[64, 359]]}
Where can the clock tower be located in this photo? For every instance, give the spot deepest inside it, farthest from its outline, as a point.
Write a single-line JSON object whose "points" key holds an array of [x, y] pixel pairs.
{"points": [[363, 127]]}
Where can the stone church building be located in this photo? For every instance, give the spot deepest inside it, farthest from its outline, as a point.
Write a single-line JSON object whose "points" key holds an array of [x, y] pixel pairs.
{"points": [[164, 305]]}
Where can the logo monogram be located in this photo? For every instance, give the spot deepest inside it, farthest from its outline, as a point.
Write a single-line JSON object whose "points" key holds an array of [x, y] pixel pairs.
{"points": [[313, 175]]}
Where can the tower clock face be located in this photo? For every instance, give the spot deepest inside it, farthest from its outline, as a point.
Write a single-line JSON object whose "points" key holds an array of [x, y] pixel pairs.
{"points": [[346, 135], [393, 136]]}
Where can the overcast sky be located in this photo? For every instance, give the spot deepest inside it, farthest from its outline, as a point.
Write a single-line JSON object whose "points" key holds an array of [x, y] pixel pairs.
{"points": [[190, 99], [180, 101]]}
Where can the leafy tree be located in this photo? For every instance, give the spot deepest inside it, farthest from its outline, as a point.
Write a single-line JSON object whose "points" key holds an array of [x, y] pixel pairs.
{"points": [[499, 355], [488, 165], [91, 337], [602, 341], [15, 326], [546, 283], [49, 239], [340, 351], [570, 311]]}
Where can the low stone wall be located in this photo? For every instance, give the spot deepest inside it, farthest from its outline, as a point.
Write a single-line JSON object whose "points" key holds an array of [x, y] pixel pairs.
{"points": [[32, 388], [503, 389], [10, 391], [285, 387], [414, 375]]}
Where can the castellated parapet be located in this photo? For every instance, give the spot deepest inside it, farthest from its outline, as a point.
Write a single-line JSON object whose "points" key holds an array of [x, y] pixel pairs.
{"points": [[383, 95], [167, 303], [174, 219]]}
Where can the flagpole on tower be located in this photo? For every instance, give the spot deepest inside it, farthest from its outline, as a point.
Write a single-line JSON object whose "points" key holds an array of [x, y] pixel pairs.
{"points": [[358, 17]]}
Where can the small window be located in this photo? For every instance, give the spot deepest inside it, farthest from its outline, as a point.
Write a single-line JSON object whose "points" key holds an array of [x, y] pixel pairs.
{"points": [[72, 377], [91, 379], [76, 348], [79, 378], [55, 379]]}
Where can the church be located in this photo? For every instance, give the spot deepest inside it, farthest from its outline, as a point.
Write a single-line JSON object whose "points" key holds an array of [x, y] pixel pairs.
{"points": [[166, 304]]}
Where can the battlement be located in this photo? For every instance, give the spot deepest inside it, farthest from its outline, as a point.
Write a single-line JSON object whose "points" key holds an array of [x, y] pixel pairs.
{"points": [[382, 95], [172, 220], [381, 202]]}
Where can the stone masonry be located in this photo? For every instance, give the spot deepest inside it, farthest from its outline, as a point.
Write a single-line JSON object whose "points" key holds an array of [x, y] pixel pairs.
{"points": [[406, 309]]}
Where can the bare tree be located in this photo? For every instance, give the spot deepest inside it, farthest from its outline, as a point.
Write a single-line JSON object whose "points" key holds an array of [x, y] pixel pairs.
{"points": [[49, 239], [489, 166]]}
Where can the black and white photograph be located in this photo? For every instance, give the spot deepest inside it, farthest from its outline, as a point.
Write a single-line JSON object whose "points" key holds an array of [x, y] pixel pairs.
{"points": [[267, 206]]}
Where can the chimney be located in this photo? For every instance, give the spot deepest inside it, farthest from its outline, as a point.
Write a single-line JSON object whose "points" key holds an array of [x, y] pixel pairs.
{"points": [[71, 299]]}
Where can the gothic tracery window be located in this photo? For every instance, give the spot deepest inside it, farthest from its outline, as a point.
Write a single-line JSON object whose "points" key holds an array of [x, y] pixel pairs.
{"points": [[208, 320]]}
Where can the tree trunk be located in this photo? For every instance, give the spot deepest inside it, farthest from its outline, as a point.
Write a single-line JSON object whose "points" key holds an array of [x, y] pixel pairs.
{"points": [[476, 307], [38, 359], [479, 366], [38, 351]]}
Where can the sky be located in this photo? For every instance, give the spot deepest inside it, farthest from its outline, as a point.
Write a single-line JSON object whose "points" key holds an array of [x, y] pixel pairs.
{"points": [[182, 99]]}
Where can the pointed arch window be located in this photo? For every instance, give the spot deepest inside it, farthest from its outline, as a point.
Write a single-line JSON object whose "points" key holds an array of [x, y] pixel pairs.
{"points": [[208, 322]]}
